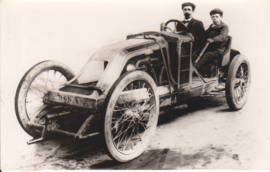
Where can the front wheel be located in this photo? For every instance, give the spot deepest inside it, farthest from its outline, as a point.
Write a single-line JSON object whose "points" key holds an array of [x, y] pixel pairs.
{"points": [[130, 115], [238, 82], [32, 88]]}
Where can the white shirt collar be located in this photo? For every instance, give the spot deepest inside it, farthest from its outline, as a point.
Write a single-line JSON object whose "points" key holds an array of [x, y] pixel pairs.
{"points": [[188, 19]]}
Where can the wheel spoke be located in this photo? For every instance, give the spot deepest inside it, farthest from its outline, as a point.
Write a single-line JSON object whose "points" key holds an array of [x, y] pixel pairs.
{"points": [[133, 95], [49, 79], [148, 110], [119, 123], [44, 81], [137, 130], [132, 116], [146, 101], [241, 82], [39, 87], [33, 97], [123, 131], [123, 101], [120, 109], [129, 138], [120, 139]]}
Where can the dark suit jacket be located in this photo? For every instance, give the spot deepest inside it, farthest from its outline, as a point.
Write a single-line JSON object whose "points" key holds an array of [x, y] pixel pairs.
{"points": [[195, 27], [220, 35]]}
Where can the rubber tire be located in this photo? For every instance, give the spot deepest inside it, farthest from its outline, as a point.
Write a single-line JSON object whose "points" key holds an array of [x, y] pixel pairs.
{"points": [[239, 59], [24, 85], [110, 100]]}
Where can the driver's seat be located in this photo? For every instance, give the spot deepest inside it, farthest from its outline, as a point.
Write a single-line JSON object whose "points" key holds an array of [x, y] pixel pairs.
{"points": [[225, 60]]}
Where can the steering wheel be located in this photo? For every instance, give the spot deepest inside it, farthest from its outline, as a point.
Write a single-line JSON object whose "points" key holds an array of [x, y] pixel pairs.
{"points": [[175, 21]]}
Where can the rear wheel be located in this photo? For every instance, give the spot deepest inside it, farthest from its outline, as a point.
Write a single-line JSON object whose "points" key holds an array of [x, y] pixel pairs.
{"points": [[32, 88], [130, 115], [238, 82]]}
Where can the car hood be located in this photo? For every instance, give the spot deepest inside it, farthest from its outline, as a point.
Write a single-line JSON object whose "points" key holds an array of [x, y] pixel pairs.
{"points": [[108, 52]]}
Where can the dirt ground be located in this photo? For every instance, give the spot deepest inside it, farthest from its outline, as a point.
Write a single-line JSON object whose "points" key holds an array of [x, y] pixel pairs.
{"points": [[208, 136]]}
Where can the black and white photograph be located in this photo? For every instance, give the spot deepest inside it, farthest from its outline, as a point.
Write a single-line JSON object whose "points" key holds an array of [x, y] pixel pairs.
{"points": [[135, 85]]}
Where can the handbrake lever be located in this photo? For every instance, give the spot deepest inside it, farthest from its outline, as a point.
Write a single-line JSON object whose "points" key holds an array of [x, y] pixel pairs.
{"points": [[200, 55]]}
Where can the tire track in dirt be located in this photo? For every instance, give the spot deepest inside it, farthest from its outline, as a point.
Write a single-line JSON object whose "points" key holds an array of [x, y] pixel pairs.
{"points": [[151, 159]]}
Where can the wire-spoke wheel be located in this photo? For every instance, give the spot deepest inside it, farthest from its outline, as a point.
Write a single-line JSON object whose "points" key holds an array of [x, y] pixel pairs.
{"points": [[238, 82], [33, 87], [130, 115]]}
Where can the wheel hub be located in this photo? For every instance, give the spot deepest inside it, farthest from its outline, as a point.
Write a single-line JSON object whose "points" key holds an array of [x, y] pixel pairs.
{"points": [[135, 114]]}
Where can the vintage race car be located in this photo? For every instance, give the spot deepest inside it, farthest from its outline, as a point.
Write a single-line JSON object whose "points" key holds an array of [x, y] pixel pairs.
{"points": [[120, 90]]}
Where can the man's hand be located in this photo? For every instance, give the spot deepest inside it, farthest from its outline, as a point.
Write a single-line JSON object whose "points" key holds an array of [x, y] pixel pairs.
{"points": [[210, 40], [190, 35]]}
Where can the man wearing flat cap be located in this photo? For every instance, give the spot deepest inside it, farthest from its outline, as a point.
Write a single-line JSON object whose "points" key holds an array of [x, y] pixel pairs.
{"points": [[193, 26], [217, 36]]}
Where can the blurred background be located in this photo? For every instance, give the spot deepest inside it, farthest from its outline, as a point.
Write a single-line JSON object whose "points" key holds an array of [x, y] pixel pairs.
{"points": [[71, 31]]}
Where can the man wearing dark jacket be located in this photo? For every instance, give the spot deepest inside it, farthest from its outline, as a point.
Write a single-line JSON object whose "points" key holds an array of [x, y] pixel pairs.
{"points": [[217, 35], [193, 26]]}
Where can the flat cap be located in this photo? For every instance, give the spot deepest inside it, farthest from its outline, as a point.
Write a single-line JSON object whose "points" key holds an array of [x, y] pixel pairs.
{"points": [[189, 4], [216, 11]]}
